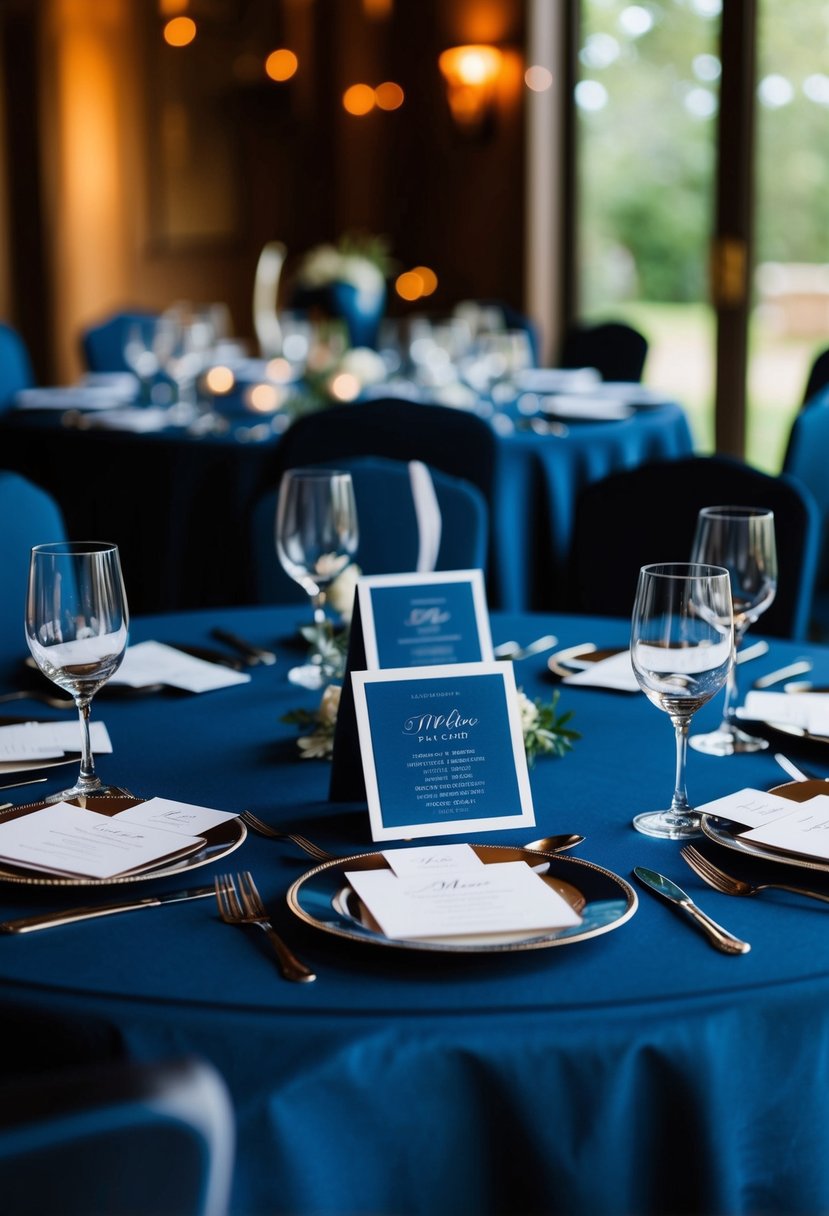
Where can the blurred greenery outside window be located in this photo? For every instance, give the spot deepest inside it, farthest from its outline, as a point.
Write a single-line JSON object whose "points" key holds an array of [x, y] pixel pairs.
{"points": [[647, 97]]}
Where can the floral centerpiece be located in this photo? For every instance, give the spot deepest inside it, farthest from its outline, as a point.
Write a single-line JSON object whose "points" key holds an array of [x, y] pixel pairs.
{"points": [[347, 280]]}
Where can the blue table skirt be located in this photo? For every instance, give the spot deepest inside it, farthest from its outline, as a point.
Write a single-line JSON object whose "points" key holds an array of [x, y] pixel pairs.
{"points": [[640, 1071], [171, 501]]}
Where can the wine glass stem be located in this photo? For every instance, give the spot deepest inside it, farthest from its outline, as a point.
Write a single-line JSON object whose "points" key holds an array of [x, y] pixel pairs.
{"points": [[87, 776], [679, 802], [732, 691], [318, 603]]}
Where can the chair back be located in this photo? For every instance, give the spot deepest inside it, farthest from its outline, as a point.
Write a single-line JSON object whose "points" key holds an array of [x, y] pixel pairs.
{"points": [[805, 461], [15, 366], [409, 517], [614, 348], [102, 344], [818, 377], [29, 516], [126, 1138], [450, 440], [648, 514]]}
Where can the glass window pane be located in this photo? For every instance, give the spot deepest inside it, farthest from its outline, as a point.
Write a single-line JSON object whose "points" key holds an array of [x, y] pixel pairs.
{"points": [[647, 96]]}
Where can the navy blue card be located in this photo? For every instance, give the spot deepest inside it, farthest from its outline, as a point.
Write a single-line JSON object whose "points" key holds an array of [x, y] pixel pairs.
{"points": [[415, 620], [442, 750]]}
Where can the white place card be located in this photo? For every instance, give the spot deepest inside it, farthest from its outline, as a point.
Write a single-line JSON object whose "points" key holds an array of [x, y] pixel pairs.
{"points": [[614, 672], [795, 827], [155, 663], [749, 807], [809, 710], [167, 815], [66, 839], [505, 897], [440, 859], [42, 740]]}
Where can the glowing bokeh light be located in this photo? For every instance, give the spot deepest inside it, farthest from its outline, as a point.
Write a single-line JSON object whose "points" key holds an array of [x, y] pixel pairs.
{"points": [[220, 379], [428, 279], [279, 370], [409, 285], [388, 95], [358, 99], [538, 78], [180, 31], [344, 386], [264, 399], [281, 64]]}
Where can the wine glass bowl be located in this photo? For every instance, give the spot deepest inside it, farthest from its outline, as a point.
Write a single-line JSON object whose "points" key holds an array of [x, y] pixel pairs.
{"points": [[681, 651], [77, 625], [316, 539], [742, 539]]}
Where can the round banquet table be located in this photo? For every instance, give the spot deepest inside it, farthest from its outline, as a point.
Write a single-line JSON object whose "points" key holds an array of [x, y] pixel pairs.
{"points": [[171, 500], [639, 1071]]}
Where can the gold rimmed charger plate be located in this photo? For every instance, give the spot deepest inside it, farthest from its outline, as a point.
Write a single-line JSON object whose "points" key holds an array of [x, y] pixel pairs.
{"points": [[220, 840], [571, 660], [323, 898], [727, 833]]}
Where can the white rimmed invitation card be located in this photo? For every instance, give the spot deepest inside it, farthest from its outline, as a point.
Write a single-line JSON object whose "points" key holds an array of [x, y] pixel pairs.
{"points": [[442, 750], [415, 620], [406, 620]]}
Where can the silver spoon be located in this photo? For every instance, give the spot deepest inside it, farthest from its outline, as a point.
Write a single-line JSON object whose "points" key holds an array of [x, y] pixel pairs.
{"points": [[555, 844], [513, 650]]}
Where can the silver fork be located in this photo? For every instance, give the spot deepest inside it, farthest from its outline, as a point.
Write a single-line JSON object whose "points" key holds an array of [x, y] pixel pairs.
{"points": [[302, 842], [728, 885], [44, 698], [251, 911]]}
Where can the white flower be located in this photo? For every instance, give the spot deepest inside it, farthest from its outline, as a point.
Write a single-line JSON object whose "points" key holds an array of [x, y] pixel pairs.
{"points": [[528, 711], [364, 363], [318, 746], [329, 705], [320, 267], [341, 592], [361, 273]]}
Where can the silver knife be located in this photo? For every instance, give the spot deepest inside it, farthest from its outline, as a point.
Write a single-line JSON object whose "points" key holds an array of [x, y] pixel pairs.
{"points": [[255, 654], [68, 916], [718, 936]]}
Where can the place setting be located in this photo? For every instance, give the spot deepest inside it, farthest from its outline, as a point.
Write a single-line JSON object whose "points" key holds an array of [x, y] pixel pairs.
{"points": [[428, 734], [92, 833]]}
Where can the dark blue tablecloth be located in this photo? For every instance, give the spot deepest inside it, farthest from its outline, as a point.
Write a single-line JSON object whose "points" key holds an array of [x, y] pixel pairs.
{"points": [[637, 1072], [179, 506]]}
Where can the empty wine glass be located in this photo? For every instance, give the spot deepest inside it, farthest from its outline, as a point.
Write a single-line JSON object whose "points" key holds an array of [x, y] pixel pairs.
{"points": [[77, 624], [741, 539], [681, 650], [316, 538]]}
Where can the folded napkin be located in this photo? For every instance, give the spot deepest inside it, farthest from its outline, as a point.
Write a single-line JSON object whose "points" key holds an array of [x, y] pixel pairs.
{"points": [[808, 710], [615, 672], [155, 663], [586, 409]]}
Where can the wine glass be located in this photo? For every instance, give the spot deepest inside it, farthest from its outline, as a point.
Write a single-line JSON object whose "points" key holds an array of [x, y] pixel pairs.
{"points": [[76, 627], [741, 539], [681, 650], [316, 538]]}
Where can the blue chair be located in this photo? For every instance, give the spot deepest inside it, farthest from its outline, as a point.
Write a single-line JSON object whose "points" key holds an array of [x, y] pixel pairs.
{"points": [[102, 344], [449, 440], [15, 366], [805, 460], [818, 377], [390, 535], [119, 1138], [614, 348], [648, 514], [29, 516]]}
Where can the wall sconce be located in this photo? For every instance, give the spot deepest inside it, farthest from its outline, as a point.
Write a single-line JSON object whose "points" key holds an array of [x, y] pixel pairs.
{"points": [[471, 74]]}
